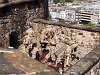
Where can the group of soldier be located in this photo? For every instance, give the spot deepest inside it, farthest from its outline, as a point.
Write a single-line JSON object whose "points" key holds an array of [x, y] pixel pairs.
{"points": [[58, 53], [60, 59]]}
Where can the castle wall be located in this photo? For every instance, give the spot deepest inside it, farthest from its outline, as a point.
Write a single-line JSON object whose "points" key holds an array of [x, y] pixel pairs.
{"points": [[86, 38], [58, 35], [17, 17]]}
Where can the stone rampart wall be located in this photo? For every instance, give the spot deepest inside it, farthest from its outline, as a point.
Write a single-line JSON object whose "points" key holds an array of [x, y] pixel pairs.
{"points": [[95, 70], [86, 40], [17, 16], [58, 35]]}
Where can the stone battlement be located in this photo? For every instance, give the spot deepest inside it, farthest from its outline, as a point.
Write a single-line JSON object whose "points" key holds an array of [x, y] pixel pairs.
{"points": [[22, 26], [88, 65], [86, 28], [58, 35], [13, 1], [16, 16]]}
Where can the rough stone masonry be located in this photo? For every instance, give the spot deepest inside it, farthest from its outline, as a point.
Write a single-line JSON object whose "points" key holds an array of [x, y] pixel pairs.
{"points": [[59, 35], [86, 40], [17, 23], [16, 17]]}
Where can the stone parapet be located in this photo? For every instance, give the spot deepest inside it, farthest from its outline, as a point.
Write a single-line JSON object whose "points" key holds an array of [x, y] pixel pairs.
{"points": [[16, 16], [86, 63], [80, 27], [87, 38], [10, 3]]}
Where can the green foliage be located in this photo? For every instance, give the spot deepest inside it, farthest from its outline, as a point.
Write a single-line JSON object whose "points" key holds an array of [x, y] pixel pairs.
{"points": [[49, 17], [62, 1], [56, 1], [83, 0], [89, 24], [74, 22], [68, 0], [61, 20]]}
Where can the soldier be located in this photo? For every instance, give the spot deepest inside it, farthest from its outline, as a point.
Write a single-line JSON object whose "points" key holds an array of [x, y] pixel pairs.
{"points": [[68, 53], [31, 48], [37, 56]]}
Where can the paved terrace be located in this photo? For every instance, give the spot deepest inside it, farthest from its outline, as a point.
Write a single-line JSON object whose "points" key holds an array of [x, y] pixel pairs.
{"points": [[15, 62]]}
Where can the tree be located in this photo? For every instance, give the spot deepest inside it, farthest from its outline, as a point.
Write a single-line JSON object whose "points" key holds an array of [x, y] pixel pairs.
{"points": [[61, 20], [56, 1], [49, 17], [89, 24], [62, 1], [68, 0]]}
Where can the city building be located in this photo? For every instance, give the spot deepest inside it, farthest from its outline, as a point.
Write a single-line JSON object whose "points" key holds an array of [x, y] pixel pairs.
{"points": [[83, 12], [66, 11], [90, 12]]}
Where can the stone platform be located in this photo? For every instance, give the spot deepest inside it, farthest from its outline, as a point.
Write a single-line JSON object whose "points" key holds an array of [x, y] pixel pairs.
{"points": [[19, 63]]}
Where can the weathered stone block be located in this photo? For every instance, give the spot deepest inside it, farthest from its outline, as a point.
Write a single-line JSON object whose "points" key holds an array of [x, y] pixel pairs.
{"points": [[17, 16]]}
